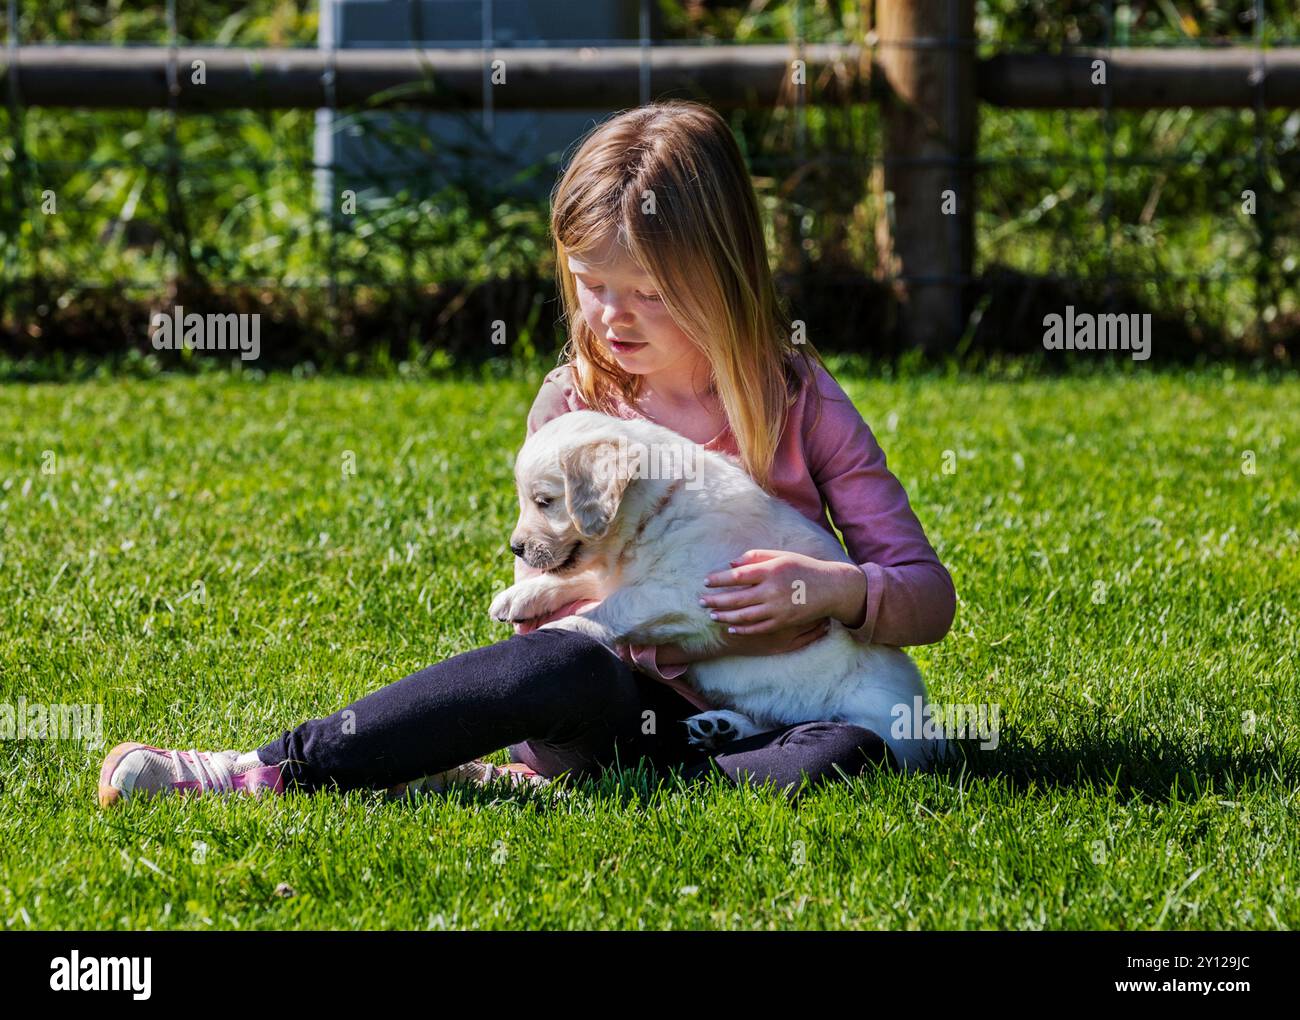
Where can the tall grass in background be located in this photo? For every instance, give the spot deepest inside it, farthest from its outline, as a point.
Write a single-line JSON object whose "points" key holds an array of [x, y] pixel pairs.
{"points": [[1060, 192]]}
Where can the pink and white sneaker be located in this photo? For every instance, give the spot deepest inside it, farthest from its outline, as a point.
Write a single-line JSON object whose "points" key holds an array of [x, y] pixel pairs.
{"points": [[134, 770]]}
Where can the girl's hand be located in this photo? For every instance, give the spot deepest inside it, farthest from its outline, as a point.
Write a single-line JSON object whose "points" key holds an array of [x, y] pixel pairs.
{"points": [[770, 590]]}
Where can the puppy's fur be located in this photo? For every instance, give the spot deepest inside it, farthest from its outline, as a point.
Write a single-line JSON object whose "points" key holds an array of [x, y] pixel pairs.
{"points": [[601, 526]]}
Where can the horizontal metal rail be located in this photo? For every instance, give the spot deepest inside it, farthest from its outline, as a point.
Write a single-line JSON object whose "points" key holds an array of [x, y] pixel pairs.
{"points": [[610, 77], [1236, 76], [534, 78]]}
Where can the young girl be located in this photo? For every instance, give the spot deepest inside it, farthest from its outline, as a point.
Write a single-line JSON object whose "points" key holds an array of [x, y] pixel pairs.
{"points": [[672, 317]]}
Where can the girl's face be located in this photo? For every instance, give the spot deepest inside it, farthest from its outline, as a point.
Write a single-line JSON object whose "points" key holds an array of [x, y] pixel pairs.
{"points": [[624, 311]]}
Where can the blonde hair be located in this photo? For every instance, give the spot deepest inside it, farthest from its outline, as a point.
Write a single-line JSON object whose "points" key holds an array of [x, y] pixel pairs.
{"points": [[703, 246]]}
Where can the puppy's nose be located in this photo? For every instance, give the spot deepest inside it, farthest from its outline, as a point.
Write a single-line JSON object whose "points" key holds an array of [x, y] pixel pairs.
{"points": [[517, 548]]}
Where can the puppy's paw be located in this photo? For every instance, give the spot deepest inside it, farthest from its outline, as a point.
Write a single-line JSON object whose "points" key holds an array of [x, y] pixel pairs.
{"points": [[511, 606], [717, 729]]}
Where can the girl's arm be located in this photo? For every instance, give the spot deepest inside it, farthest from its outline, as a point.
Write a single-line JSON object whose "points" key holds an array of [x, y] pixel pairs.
{"points": [[910, 598]]}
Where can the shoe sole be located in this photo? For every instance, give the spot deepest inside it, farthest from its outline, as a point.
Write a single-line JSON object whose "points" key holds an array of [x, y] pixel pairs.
{"points": [[110, 795]]}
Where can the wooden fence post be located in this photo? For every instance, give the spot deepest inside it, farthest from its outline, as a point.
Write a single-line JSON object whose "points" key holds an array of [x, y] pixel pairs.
{"points": [[925, 188]]}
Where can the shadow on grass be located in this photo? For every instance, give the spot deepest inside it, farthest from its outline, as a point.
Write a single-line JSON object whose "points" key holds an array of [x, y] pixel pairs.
{"points": [[631, 786], [1128, 762], [1131, 760], [1155, 771]]}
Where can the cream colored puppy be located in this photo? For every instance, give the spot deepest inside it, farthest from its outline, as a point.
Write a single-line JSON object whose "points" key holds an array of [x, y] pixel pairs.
{"points": [[635, 515]]}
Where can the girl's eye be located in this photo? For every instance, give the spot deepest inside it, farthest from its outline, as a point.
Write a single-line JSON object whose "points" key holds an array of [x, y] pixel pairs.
{"points": [[597, 287]]}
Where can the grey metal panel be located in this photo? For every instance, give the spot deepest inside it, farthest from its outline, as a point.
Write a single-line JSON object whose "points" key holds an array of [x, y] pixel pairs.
{"points": [[490, 150]]}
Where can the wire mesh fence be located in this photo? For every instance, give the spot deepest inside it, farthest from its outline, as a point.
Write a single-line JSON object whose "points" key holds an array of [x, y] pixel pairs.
{"points": [[108, 215]]}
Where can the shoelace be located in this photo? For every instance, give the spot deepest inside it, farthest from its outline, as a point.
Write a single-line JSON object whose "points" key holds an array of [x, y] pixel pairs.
{"points": [[212, 774]]}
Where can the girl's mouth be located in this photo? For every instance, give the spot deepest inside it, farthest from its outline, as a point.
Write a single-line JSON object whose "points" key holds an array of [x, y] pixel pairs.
{"points": [[625, 346]]}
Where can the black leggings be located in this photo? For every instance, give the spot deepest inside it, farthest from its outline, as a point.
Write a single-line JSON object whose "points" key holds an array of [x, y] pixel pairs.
{"points": [[564, 703]]}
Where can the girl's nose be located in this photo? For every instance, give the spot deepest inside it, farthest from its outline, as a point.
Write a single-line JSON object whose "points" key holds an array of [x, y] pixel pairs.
{"points": [[617, 307], [615, 313]]}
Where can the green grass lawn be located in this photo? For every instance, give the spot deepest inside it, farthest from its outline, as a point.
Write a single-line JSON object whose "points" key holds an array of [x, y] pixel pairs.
{"points": [[1129, 599]]}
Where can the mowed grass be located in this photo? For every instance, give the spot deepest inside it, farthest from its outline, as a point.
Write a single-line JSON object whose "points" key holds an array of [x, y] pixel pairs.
{"points": [[1129, 600]]}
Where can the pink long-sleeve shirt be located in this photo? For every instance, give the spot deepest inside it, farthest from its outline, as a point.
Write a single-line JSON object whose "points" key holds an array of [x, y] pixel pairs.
{"points": [[836, 468]]}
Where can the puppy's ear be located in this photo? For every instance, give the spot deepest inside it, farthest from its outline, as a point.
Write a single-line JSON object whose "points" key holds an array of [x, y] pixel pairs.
{"points": [[594, 483]]}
